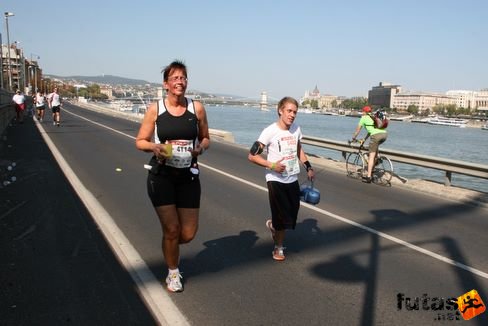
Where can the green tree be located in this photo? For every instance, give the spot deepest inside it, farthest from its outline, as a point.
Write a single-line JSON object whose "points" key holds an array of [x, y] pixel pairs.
{"points": [[413, 109], [355, 103]]}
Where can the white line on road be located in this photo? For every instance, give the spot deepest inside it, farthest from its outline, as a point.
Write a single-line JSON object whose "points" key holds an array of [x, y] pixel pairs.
{"points": [[363, 227], [157, 299]]}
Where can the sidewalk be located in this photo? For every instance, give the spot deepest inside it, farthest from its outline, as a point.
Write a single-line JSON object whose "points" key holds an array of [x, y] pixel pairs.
{"points": [[56, 267]]}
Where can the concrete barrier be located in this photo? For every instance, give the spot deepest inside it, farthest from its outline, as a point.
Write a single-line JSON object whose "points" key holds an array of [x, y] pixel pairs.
{"points": [[222, 135], [7, 110], [7, 113]]}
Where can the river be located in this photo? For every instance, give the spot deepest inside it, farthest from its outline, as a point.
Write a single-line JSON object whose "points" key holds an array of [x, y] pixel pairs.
{"points": [[464, 144]]}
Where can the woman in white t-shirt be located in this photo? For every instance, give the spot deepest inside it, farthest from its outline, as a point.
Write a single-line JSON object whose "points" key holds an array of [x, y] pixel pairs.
{"points": [[55, 105], [40, 106], [284, 153], [19, 102]]}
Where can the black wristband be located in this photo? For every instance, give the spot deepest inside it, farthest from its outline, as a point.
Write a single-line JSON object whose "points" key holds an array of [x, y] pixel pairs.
{"points": [[307, 165]]}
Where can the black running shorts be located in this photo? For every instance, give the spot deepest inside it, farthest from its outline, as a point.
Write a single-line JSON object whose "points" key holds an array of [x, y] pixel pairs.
{"points": [[284, 201], [172, 187]]}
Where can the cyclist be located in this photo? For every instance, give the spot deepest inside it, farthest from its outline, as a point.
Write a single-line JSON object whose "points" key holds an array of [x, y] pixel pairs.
{"points": [[378, 136]]}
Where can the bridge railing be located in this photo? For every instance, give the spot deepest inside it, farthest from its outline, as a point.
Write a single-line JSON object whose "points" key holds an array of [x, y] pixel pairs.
{"points": [[447, 165]]}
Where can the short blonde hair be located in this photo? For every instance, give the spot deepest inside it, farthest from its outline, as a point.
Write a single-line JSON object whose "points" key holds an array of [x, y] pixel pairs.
{"points": [[285, 100]]}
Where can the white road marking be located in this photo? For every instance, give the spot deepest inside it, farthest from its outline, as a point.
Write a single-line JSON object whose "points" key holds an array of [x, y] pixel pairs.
{"points": [[364, 227], [151, 289]]}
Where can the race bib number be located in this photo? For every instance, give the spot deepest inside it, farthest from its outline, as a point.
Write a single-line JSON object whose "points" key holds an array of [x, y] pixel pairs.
{"points": [[181, 157], [288, 148]]}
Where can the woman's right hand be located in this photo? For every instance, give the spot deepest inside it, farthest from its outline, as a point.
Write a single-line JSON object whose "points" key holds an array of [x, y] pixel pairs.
{"points": [[163, 151]]}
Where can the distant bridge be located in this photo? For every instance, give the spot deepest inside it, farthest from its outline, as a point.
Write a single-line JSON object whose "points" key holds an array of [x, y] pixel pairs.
{"points": [[228, 100]]}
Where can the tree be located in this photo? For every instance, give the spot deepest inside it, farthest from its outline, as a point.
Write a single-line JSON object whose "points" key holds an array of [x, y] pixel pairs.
{"points": [[413, 109], [355, 103]]}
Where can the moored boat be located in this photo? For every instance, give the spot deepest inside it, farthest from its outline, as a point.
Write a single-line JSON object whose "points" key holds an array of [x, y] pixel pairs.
{"points": [[420, 120], [443, 121], [401, 117]]}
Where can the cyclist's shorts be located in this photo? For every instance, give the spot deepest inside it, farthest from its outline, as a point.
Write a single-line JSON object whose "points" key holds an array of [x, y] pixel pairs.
{"points": [[284, 201], [376, 140]]}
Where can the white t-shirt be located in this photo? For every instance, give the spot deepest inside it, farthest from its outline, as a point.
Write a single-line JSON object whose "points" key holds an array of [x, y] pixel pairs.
{"points": [[39, 100], [282, 144], [18, 98], [55, 99]]}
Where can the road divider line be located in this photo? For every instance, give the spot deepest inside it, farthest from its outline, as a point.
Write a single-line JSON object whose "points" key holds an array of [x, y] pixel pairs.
{"points": [[150, 288], [363, 227]]}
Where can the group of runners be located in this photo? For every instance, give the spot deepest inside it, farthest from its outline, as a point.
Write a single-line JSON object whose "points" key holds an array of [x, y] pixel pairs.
{"points": [[38, 102]]}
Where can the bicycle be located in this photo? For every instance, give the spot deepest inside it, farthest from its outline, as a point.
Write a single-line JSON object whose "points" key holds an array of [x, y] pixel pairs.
{"points": [[357, 165]]}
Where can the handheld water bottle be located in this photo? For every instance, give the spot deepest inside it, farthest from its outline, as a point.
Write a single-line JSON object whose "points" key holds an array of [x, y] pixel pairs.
{"points": [[309, 194]]}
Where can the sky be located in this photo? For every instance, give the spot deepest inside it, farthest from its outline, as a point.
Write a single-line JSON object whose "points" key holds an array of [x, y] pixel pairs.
{"points": [[283, 47]]}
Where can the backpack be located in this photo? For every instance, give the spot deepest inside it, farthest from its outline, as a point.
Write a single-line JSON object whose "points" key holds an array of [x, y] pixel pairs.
{"points": [[380, 120]]}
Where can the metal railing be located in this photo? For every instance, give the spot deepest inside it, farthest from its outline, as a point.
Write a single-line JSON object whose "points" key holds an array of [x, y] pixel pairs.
{"points": [[447, 165], [442, 164]]}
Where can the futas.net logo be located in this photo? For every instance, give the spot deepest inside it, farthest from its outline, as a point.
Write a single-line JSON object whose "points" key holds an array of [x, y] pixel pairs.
{"points": [[468, 305]]}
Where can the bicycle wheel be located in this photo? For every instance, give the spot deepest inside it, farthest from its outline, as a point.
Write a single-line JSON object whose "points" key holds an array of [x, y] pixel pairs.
{"points": [[354, 165], [383, 171]]}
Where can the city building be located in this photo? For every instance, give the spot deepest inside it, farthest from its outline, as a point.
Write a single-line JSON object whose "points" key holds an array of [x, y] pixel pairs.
{"points": [[464, 99], [323, 101], [481, 99], [382, 95], [17, 72], [107, 90], [328, 101], [422, 100], [11, 67]]}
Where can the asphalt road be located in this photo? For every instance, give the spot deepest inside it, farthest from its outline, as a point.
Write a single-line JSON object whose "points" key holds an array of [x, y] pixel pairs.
{"points": [[348, 262]]}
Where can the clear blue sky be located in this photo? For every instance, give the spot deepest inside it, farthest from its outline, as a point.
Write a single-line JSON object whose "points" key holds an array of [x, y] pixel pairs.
{"points": [[244, 47]]}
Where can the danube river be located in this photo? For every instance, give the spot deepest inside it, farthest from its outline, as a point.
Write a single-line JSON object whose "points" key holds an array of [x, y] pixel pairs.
{"points": [[464, 144]]}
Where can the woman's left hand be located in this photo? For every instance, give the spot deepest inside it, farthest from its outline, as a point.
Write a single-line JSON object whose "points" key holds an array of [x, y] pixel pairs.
{"points": [[198, 150], [311, 174]]}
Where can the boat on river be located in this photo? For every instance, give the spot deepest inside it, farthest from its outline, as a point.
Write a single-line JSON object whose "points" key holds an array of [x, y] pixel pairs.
{"points": [[484, 127], [401, 117], [443, 121], [420, 120]]}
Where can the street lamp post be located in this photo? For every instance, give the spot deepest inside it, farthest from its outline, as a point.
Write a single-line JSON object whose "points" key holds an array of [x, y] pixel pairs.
{"points": [[9, 69]]}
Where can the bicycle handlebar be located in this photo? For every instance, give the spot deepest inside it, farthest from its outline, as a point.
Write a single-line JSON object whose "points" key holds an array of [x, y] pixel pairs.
{"points": [[360, 141]]}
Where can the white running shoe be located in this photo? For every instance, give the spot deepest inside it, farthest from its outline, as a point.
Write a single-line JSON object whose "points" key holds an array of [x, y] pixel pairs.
{"points": [[279, 254], [173, 282]]}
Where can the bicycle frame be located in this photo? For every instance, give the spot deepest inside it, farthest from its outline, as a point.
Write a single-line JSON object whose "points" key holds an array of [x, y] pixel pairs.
{"points": [[357, 165]]}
